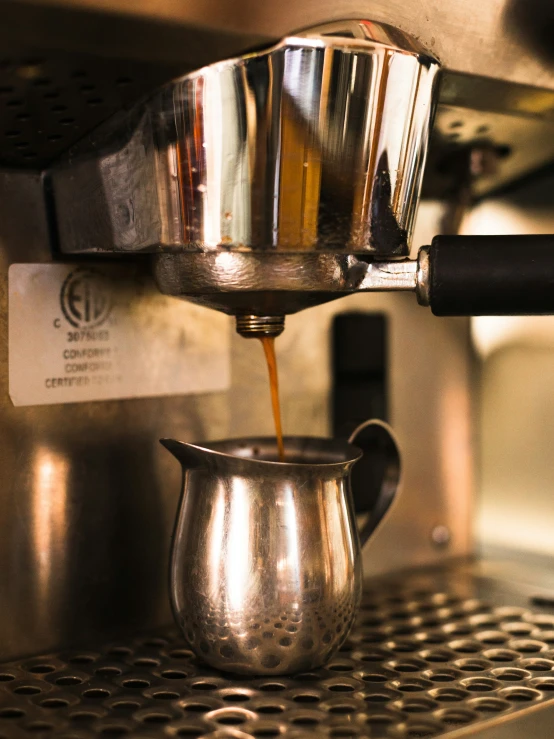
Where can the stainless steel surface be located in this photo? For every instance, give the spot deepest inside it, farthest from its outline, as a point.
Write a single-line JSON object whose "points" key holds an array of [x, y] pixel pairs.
{"points": [[438, 653], [276, 284], [92, 561], [265, 573], [317, 144], [85, 520]]}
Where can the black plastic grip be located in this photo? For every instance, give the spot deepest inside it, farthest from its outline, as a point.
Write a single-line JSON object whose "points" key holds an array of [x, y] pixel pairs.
{"points": [[491, 275]]}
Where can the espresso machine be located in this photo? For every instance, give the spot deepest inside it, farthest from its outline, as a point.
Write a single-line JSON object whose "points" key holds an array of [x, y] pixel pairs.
{"points": [[178, 179]]}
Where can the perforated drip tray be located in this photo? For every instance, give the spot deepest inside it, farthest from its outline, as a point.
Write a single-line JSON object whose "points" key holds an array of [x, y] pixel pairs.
{"points": [[419, 663]]}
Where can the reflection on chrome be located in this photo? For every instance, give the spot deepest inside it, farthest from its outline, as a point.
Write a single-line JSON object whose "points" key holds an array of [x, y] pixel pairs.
{"points": [[315, 144], [293, 535], [215, 541], [49, 522], [240, 570]]}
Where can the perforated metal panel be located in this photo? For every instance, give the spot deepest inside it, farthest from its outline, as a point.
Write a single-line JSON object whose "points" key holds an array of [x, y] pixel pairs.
{"points": [[48, 100], [418, 664]]}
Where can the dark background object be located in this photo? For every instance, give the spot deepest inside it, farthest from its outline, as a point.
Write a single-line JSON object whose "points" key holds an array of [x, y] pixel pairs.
{"points": [[50, 99], [531, 22], [359, 392]]}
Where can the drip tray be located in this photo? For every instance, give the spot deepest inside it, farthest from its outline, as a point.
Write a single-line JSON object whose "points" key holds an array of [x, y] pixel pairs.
{"points": [[419, 663]]}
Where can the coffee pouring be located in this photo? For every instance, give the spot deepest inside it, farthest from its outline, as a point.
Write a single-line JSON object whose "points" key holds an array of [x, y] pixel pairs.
{"points": [[265, 574]]}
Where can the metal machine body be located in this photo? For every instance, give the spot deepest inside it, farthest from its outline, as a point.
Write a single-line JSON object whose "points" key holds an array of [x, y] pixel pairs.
{"points": [[286, 178], [256, 181], [90, 497], [89, 500]]}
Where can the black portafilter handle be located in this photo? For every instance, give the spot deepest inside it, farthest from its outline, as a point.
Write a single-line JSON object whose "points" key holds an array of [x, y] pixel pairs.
{"points": [[489, 275]]}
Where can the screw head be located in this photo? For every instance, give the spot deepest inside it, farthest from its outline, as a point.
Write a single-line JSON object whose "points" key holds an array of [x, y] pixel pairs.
{"points": [[440, 536]]}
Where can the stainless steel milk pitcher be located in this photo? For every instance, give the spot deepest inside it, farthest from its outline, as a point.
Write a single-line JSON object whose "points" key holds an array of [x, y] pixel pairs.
{"points": [[265, 573]]}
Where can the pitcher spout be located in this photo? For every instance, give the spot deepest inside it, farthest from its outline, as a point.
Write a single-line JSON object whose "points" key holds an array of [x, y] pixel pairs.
{"points": [[189, 455]]}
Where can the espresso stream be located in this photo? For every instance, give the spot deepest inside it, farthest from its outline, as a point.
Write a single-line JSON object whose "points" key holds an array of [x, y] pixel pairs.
{"points": [[268, 343]]}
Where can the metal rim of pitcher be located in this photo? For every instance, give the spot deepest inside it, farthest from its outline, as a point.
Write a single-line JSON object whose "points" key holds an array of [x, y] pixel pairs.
{"points": [[345, 452]]}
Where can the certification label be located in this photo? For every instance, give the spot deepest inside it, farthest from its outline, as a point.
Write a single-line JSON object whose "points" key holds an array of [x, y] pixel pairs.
{"points": [[79, 333]]}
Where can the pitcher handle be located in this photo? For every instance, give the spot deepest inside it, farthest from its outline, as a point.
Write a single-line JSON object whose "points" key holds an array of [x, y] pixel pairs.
{"points": [[367, 435]]}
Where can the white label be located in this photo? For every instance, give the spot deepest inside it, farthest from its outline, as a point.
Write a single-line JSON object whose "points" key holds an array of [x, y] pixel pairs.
{"points": [[80, 333]]}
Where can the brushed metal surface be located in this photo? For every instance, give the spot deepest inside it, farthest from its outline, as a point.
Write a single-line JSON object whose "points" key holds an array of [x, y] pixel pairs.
{"points": [[256, 537], [85, 519], [85, 552]]}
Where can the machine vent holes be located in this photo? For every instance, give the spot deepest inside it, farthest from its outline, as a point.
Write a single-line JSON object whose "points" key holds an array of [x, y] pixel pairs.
{"points": [[239, 697], [96, 693], [41, 669], [174, 674], [270, 709], [136, 684], [304, 721], [456, 717], [11, 713], [480, 684], [88, 90], [69, 680], [230, 718], [537, 665], [489, 705], [511, 674], [27, 690], [156, 718], [544, 684], [442, 676], [520, 695], [449, 695]]}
